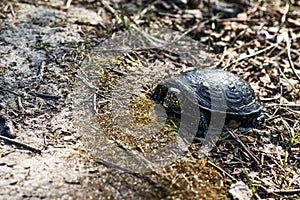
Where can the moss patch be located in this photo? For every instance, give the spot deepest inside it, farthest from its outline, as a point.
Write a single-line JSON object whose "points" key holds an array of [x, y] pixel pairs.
{"points": [[186, 177], [140, 109], [189, 178]]}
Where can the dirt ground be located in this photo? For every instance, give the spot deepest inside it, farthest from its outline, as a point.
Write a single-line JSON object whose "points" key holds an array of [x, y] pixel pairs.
{"points": [[44, 49]]}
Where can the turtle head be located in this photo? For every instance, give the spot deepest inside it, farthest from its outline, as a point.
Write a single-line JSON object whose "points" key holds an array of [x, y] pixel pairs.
{"points": [[159, 92], [167, 96]]}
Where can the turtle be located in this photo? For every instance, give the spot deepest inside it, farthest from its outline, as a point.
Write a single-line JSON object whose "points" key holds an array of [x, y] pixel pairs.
{"points": [[212, 90]]}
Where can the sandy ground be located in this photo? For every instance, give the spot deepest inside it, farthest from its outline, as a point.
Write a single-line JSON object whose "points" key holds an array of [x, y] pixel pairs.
{"points": [[30, 40]]}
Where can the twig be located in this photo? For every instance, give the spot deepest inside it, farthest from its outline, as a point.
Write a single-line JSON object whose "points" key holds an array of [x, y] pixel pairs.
{"points": [[272, 118], [44, 95], [94, 103], [221, 59], [142, 13], [221, 170], [285, 77], [182, 15], [251, 55], [68, 3], [110, 9], [90, 85], [256, 196], [97, 25], [118, 72], [279, 105], [287, 105], [135, 155], [266, 99], [280, 192], [236, 138], [288, 44], [9, 90], [86, 82], [283, 18], [128, 171], [22, 109], [235, 20], [295, 191], [40, 72], [45, 139], [12, 10], [21, 144]]}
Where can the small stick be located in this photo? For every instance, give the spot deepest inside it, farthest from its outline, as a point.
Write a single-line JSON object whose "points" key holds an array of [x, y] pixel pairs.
{"points": [[12, 10], [288, 44], [117, 167], [251, 55], [68, 3], [221, 59], [94, 103], [45, 139], [86, 82], [40, 72], [21, 144], [283, 18], [44, 95], [266, 99], [221, 170], [280, 102], [10, 91], [118, 72], [295, 191], [110, 9], [236, 138], [271, 118], [22, 109], [126, 170], [135, 155], [291, 105], [235, 20], [256, 196], [280, 192]]}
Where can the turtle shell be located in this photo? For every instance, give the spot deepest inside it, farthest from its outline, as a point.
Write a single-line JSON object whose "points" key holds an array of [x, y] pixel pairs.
{"points": [[214, 90]]}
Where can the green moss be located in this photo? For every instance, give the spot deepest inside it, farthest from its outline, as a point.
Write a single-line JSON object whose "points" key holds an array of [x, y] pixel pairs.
{"points": [[140, 109], [185, 178], [188, 178]]}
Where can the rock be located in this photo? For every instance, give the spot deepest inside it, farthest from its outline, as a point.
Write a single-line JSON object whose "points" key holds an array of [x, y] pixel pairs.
{"points": [[240, 191], [6, 127]]}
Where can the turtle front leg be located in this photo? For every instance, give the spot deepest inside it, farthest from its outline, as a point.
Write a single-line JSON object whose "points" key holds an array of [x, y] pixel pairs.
{"points": [[203, 125]]}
